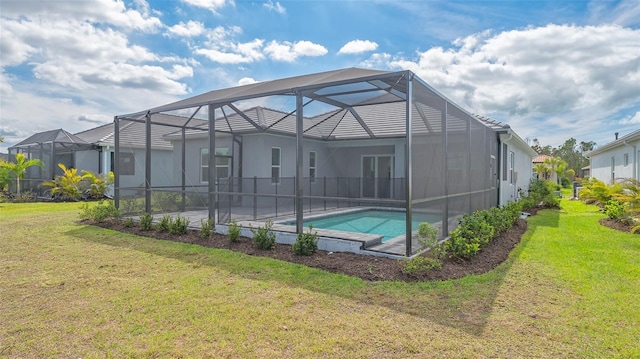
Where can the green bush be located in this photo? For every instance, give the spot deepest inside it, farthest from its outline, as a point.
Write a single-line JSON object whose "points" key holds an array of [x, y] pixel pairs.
{"points": [[207, 227], [178, 225], [306, 243], [128, 222], [615, 210], [460, 246], [264, 237], [233, 231], [146, 221], [99, 212], [428, 238], [420, 265], [164, 225]]}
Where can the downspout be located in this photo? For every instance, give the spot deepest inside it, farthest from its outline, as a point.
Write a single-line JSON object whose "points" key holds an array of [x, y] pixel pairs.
{"points": [[635, 159]]}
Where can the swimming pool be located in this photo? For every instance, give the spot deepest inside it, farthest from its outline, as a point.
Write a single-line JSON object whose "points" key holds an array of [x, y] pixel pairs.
{"points": [[388, 224]]}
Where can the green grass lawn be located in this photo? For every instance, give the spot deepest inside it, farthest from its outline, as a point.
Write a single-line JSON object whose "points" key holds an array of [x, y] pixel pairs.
{"points": [[570, 289]]}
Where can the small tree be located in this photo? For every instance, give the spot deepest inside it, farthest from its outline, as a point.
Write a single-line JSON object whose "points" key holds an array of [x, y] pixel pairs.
{"points": [[19, 168], [98, 184], [67, 185]]}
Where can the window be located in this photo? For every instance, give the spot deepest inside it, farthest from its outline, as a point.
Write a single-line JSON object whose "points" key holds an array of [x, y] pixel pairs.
{"points": [[312, 167], [127, 164], [223, 161], [626, 159], [512, 160], [275, 165], [613, 169], [204, 165], [504, 161]]}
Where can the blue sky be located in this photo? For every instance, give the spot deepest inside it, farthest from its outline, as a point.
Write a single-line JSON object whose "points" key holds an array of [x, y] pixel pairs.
{"points": [[550, 69]]}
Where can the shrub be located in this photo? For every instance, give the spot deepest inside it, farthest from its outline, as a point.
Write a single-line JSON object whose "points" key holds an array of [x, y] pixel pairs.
{"points": [[264, 237], [460, 246], [420, 265], [98, 185], [428, 238], [473, 232], [306, 243], [128, 222], [99, 212], [615, 210], [234, 231], [207, 227], [164, 225], [146, 220], [68, 186], [178, 225]]}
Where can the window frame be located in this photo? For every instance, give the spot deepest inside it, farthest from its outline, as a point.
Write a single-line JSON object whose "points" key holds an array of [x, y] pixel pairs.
{"points": [[204, 167], [512, 166], [130, 168], [277, 166], [313, 168]]}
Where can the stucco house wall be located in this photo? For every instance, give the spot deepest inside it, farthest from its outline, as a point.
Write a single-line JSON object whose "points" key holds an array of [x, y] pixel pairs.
{"points": [[617, 159]]}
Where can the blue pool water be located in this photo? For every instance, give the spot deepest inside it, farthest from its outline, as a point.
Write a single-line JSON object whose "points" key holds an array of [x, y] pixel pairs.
{"points": [[388, 224]]}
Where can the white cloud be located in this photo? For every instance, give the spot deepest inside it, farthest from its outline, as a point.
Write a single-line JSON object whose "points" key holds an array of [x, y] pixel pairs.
{"points": [[631, 120], [81, 55], [246, 81], [377, 61], [275, 7], [536, 71], [211, 5], [189, 29], [227, 52], [358, 46], [99, 11], [289, 52]]}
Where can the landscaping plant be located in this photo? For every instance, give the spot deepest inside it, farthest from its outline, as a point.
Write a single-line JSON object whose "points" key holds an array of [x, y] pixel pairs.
{"points": [[19, 167], [67, 186], [98, 185], [233, 231], [178, 225], [306, 243], [146, 221], [207, 227], [264, 237], [164, 224]]}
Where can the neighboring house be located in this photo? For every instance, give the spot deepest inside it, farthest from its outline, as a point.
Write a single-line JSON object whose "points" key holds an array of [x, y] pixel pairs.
{"points": [[540, 160], [52, 148], [334, 140], [617, 159], [132, 151], [514, 163]]}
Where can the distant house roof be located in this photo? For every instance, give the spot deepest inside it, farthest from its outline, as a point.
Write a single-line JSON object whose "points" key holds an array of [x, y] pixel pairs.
{"points": [[59, 137], [541, 158], [633, 136], [132, 133]]}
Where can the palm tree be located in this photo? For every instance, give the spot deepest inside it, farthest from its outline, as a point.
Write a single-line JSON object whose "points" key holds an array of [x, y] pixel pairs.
{"points": [[20, 167], [541, 169], [553, 163]]}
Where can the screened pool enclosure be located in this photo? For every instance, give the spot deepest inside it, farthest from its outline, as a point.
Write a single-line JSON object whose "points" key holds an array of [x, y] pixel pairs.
{"points": [[295, 148]]}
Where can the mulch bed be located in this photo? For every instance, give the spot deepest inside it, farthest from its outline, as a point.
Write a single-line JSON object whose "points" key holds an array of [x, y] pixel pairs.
{"points": [[363, 266], [622, 227]]}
